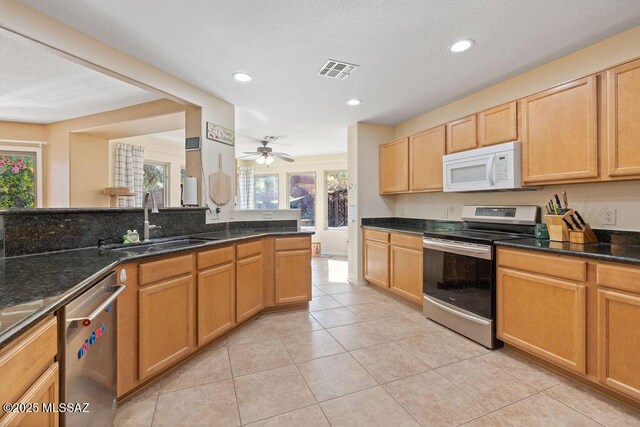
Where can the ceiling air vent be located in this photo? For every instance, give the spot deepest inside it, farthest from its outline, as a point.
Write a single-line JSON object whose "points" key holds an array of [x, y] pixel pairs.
{"points": [[336, 69]]}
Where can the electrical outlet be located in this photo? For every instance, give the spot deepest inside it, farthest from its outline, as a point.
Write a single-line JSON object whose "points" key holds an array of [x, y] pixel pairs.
{"points": [[609, 217], [445, 213]]}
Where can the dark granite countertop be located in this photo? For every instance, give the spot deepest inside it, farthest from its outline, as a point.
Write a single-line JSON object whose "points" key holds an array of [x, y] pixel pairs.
{"points": [[34, 286], [628, 254], [409, 225]]}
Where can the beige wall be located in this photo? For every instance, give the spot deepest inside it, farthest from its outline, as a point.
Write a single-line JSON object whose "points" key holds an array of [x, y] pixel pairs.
{"points": [[333, 241], [16, 131], [591, 199], [88, 170], [91, 52]]}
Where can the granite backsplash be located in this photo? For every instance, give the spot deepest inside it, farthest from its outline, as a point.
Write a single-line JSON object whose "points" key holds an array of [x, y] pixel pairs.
{"points": [[30, 231]]}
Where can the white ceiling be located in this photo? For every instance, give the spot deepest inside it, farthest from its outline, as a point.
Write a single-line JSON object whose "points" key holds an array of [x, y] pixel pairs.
{"points": [[37, 86], [400, 45]]}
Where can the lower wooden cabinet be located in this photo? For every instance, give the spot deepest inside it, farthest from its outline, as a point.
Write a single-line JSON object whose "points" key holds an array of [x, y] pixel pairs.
{"points": [[166, 323], [543, 315], [216, 302], [376, 263], [619, 341], [292, 276], [406, 273], [44, 391], [249, 287]]}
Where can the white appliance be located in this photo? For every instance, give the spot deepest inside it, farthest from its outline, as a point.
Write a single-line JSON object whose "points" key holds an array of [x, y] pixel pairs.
{"points": [[496, 167]]}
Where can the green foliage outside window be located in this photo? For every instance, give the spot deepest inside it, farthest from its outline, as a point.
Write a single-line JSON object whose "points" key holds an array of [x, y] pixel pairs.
{"points": [[17, 181]]}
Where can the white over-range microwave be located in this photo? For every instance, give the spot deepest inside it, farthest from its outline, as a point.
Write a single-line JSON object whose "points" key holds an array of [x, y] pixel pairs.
{"points": [[492, 168]]}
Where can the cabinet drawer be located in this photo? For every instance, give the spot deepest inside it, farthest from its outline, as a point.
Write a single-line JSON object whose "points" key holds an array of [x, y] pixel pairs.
{"points": [[164, 269], [623, 278], [292, 243], [378, 236], [215, 257], [411, 242], [566, 268], [26, 359], [245, 250]]}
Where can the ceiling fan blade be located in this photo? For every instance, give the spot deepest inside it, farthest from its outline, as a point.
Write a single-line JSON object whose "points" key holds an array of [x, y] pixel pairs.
{"points": [[250, 156], [282, 156], [249, 152]]}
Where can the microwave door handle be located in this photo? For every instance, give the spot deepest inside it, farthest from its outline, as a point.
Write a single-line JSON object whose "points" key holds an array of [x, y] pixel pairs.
{"points": [[491, 171]]}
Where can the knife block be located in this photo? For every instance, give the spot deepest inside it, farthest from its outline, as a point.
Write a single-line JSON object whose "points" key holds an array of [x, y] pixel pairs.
{"points": [[558, 230], [584, 236]]}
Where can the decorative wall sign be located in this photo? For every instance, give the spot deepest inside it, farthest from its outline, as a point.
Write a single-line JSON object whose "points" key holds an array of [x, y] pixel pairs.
{"points": [[221, 134]]}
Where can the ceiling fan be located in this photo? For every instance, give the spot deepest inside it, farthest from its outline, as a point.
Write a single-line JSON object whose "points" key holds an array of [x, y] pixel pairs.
{"points": [[265, 155]]}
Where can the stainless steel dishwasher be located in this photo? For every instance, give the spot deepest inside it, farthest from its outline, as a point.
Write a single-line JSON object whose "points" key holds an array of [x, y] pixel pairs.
{"points": [[90, 355]]}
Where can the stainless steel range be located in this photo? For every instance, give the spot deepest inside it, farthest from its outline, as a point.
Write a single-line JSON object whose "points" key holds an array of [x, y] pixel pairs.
{"points": [[459, 268]]}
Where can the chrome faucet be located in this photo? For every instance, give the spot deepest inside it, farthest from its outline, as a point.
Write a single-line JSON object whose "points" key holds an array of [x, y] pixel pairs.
{"points": [[154, 209]]}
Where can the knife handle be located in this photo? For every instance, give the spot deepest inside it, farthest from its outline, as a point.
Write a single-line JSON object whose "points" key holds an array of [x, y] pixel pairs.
{"points": [[568, 224], [575, 222], [580, 218]]}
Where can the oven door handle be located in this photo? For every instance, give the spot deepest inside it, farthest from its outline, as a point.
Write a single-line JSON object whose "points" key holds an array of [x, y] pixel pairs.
{"points": [[483, 252], [457, 313]]}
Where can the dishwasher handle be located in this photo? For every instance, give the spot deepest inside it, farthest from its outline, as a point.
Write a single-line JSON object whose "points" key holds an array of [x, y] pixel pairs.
{"points": [[86, 321]]}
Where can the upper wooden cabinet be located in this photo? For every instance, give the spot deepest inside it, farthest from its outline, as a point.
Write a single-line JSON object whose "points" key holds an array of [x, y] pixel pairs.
{"points": [[560, 133], [623, 120], [462, 134], [425, 159], [394, 166], [499, 124], [167, 323]]}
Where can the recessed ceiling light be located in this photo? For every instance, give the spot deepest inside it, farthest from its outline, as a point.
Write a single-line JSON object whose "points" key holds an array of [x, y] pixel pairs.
{"points": [[242, 77], [461, 46], [353, 102]]}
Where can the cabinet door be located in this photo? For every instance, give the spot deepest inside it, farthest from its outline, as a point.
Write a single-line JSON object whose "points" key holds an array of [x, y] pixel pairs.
{"points": [[623, 126], [43, 391], [619, 341], [544, 316], [462, 135], [499, 124], [406, 273], [559, 133], [394, 166], [425, 159], [376, 263], [167, 317], [249, 287], [216, 302], [293, 276]]}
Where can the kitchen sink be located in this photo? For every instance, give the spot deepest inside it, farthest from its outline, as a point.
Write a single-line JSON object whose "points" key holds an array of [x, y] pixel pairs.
{"points": [[144, 248]]}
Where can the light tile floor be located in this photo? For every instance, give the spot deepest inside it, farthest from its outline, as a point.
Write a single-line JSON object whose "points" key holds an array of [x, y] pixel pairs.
{"points": [[361, 357]]}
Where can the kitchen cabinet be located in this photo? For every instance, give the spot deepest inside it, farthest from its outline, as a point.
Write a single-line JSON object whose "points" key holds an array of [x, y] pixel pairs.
{"points": [[623, 126], [216, 301], [127, 336], [249, 280], [499, 124], [529, 307], [560, 134], [28, 365], [425, 159], [166, 323], [292, 270], [462, 134], [393, 160], [405, 259], [376, 257]]}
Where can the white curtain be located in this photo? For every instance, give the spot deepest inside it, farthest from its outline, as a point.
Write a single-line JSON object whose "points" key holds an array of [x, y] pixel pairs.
{"points": [[129, 173], [246, 190]]}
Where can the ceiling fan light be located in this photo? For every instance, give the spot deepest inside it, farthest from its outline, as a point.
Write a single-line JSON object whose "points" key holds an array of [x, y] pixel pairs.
{"points": [[268, 160], [260, 160]]}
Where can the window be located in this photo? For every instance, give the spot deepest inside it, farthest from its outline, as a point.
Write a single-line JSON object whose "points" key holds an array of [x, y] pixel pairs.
{"points": [[337, 199], [266, 188], [20, 178], [156, 181], [302, 195]]}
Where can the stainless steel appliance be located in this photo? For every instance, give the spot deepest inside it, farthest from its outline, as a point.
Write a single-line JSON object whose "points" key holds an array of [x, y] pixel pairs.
{"points": [[90, 354], [496, 167], [459, 268]]}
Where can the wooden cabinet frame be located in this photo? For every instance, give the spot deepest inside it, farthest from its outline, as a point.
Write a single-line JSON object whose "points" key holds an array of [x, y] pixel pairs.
{"points": [[393, 159], [504, 117]]}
